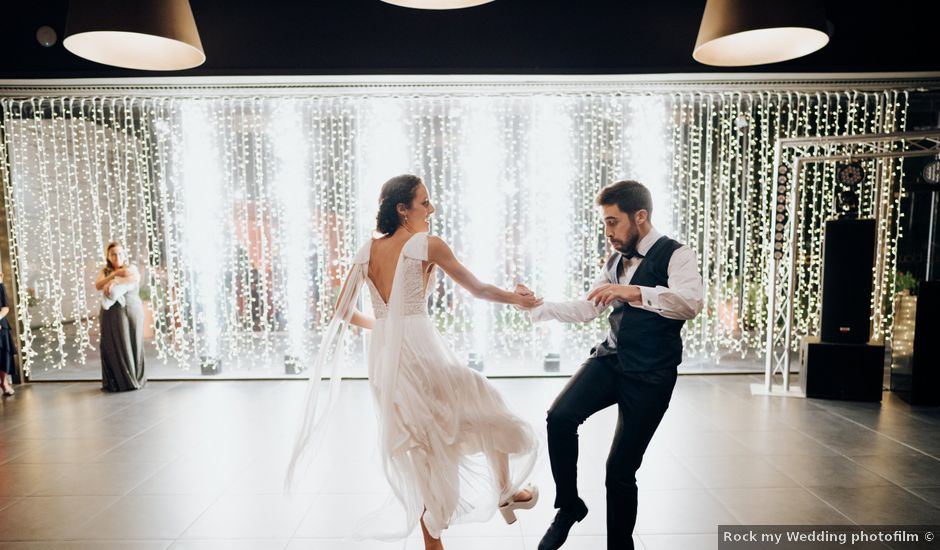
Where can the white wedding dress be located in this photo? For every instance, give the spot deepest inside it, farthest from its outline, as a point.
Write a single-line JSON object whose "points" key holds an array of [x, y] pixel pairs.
{"points": [[449, 444]]}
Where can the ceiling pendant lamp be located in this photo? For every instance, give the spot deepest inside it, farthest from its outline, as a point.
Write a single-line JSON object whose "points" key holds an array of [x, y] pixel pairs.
{"points": [[736, 33], [437, 4], [153, 35]]}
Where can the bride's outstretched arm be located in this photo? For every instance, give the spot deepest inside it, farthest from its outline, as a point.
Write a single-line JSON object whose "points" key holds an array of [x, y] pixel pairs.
{"points": [[441, 254]]}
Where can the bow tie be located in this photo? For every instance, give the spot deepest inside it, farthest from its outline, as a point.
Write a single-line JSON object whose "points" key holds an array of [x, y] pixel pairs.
{"points": [[633, 254]]}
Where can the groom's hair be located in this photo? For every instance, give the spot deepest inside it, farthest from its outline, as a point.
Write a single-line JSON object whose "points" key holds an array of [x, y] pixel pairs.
{"points": [[628, 195]]}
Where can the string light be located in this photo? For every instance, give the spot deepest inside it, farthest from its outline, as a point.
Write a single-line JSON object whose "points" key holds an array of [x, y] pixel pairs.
{"points": [[902, 333], [243, 211]]}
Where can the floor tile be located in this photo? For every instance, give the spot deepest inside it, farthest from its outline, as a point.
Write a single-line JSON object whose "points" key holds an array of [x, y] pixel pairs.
{"points": [[343, 544], [826, 471], [149, 517], [87, 545], [706, 444], [780, 442], [906, 470], [680, 542], [681, 511], [230, 544], [94, 479], [880, 505], [252, 517], [584, 542], [735, 471], [49, 518], [779, 506]]}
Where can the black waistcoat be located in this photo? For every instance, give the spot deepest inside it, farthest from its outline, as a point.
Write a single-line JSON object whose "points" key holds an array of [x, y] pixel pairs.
{"points": [[647, 340]]}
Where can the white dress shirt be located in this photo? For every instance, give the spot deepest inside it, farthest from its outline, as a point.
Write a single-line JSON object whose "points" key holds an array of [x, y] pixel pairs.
{"points": [[119, 287], [682, 299]]}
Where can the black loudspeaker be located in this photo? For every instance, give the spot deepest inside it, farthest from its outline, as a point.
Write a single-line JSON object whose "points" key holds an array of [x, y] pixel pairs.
{"points": [[848, 260], [918, 382], [841, 371]]}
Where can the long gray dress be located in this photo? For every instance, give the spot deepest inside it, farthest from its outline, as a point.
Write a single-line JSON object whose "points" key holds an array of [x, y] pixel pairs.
{"points": [[122, 344]]}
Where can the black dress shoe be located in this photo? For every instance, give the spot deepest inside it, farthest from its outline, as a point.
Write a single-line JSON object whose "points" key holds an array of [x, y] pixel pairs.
{"points": [[557, 532]]}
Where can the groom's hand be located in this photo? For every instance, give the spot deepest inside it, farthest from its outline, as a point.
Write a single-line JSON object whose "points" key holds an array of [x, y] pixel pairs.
{"points": [[607, 293]]}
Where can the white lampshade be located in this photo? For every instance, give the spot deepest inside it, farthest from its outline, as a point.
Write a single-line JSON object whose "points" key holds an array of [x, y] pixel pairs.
{"points": [[153, 35], [735, 33], [437, 4]]}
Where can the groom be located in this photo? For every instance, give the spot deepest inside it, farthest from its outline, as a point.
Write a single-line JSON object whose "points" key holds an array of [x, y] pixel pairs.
{"points": [[653, 285]]}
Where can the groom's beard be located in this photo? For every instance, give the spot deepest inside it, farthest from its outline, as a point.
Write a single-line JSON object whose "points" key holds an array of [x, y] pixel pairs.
{"points": [[628, 246]]}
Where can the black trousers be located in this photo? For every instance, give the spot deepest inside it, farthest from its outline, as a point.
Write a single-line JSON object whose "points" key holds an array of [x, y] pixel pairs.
{"points": [[642, 398]]}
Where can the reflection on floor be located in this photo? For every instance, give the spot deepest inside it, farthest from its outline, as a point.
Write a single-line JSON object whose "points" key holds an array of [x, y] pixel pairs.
{"points": [[187, 465]]}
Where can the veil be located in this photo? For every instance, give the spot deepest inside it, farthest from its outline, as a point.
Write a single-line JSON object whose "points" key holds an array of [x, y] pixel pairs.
{"points": [[442, 473], [330, 358], [395, 519]]}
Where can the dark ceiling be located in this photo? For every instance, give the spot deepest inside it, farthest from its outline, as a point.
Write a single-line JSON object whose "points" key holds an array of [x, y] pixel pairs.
{"points": [[278, 37]]}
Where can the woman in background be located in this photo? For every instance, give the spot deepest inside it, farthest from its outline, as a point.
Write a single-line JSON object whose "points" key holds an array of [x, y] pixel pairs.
{"points": [[7, 347], [122, 322]]}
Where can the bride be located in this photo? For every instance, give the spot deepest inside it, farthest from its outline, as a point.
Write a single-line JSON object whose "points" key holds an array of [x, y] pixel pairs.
{"points": [[451, 449]]}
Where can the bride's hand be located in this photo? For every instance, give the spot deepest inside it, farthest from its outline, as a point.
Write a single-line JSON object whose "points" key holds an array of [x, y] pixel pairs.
{"points": [[523, 290], [527, 301]]}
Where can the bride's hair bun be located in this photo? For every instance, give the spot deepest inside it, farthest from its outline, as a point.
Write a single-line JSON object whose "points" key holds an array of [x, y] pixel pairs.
{"points": [[398, 190]]}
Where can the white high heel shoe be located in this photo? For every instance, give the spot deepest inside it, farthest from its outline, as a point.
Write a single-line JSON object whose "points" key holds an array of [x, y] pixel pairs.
{"points": [[508, 509]]}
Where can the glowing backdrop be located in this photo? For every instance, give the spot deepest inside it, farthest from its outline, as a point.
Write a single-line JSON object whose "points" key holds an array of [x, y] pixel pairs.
{"points": [[242, 211]]}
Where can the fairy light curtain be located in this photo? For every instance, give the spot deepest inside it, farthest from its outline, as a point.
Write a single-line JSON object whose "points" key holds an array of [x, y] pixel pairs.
{"points": [[244, 210], [724, 196]]}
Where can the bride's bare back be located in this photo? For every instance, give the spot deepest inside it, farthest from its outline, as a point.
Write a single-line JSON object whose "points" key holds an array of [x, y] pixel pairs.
{"points": [[385, 252], [383, 259]]}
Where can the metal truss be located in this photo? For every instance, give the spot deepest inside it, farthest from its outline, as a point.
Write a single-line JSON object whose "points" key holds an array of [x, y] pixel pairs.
{"points": [[783, 267]]}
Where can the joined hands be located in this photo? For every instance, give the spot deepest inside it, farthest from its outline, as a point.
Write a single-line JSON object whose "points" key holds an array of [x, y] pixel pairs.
{"points": [[602, 295], [527, 298]]}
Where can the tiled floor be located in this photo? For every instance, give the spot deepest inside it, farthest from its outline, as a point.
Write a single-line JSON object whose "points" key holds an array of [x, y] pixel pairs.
{"points": [[199, 465]]}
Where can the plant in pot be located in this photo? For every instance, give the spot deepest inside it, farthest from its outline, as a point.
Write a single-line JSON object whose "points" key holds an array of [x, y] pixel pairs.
{"points": [[905, 284]]}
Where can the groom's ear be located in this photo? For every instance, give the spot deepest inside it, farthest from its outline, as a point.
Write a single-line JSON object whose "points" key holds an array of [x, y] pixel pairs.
{"points": [[641, 216]]}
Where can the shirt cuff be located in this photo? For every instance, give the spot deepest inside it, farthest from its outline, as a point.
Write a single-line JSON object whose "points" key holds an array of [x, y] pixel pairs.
{"points": [[650, 297], [537, 314]]}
